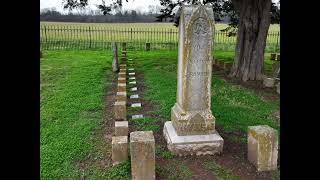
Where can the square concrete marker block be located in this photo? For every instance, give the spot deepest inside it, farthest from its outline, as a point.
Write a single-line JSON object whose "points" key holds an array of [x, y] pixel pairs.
{"points": [[134, 89], [121, 96], [263, 147], [137, 116], [122, 75], [121, 128], [136, 105], [119, 149], [132, 82], [142, 152], [268, 82], [122, 87], [120, 110], [134, 96], [132, 74], [131, 69], [122, 80], [132, 78]]}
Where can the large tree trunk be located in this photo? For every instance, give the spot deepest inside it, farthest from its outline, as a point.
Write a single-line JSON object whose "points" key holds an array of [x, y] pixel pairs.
{"points": [[251, 38]]}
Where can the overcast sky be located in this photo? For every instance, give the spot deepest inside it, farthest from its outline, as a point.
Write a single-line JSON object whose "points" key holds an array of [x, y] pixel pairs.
{"points": [[142, 5]]}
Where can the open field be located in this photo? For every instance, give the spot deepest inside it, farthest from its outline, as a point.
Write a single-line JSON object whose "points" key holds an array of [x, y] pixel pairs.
{"points": [[273, 27], [75, 106], [99, 35]]}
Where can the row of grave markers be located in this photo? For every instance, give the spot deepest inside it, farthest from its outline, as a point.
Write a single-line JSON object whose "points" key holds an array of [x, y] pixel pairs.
{"points": [[142, 143], [191, 130], [268, 82]]}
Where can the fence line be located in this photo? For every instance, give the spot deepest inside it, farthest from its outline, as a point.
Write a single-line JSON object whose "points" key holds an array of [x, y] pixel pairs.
{"points": [[93, 37]]}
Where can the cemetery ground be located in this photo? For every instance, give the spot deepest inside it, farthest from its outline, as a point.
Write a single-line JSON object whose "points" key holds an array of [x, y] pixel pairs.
{"points": [[77, 93]]}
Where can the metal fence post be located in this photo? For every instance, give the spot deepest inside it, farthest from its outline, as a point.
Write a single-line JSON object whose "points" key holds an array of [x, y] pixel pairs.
{"points": [[89, 37], [278, 36], [45, 34]]}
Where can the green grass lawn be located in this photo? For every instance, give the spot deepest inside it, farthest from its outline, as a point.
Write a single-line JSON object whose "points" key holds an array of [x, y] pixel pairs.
{"points": [[233, 106], [72, 89], [72, 102]]}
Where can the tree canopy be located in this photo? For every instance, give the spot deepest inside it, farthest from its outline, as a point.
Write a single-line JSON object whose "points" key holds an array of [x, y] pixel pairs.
{"points": [[171, 9]]}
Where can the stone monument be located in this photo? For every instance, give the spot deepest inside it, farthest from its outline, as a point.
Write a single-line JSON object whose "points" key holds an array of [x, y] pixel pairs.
{"points": [[192, 126], [263, 147], [115, 67]]}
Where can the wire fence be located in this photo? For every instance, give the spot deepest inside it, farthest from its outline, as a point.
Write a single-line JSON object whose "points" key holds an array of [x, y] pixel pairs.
{"points": [[95, 37]]}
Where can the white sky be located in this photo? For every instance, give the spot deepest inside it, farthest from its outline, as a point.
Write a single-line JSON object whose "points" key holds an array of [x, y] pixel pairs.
{"points": [[142, 5]]}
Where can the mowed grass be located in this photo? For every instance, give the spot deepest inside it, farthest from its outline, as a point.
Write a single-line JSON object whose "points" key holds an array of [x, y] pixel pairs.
{"points": [[71, 105], [72, 91], [234, 107]]}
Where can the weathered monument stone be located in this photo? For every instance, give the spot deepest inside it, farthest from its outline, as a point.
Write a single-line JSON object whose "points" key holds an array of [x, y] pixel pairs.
{"points": [[120, 110], [122, 87], [263, 147], [122, 75], [121, 128], [278, 88], [115, 67], [121, 80], [123, 70], [142, 152], [124, 53], [119, 149], [121, 96], [192, 126], [268, 82]]}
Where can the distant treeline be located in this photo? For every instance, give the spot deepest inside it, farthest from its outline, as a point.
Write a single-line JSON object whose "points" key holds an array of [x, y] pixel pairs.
{"points": [[96, 17]]}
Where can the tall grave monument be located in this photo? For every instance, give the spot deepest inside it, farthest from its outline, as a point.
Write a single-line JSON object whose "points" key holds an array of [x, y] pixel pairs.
{"points": [[191, 130], [115, 66]]}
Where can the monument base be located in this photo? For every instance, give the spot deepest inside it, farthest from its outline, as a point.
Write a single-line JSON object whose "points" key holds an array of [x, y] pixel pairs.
{"points": [[192, 144]]}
